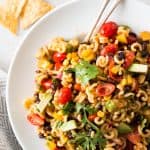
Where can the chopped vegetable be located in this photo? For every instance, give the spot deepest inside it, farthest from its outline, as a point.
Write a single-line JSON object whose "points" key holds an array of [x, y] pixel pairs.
{"points": [[109, 29], [65, 95], [109, 49], [123, 128], [59, 57], [45, 98], [105, 89], [46, 84], [122, 38], [77, 87], [129, 58], [85, 71], [87, 54], [92, 117], [145, 36], [35, 119], [134, 137], [138, 68], [51, 145], [58, 66], [90, 143], [70, 125], [70, 48], [68, 108], [110, 106]]}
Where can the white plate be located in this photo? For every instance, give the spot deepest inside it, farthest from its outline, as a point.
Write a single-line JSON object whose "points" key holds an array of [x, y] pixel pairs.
{"points": [[69, 21]]}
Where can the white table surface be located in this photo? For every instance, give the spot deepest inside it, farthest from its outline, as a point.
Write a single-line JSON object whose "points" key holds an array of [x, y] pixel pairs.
{"points": [[9, 42]]}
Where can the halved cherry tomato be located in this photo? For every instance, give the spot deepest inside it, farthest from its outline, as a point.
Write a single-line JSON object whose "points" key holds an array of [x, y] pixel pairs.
{"points": [[65, 95], [129, 58], [58, 57], [58, 65], [109, 29], [112, 75], [134, 137], [35, 119], [46, 84], [92, 117], [105, 89], [109, 49]]}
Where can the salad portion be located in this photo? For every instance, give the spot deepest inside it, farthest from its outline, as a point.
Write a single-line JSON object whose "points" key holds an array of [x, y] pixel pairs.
{"points": [[96, 95]]}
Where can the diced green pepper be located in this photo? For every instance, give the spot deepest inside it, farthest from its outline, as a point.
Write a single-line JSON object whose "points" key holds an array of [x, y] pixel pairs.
{"points": [[110, 106], [123, 128]]}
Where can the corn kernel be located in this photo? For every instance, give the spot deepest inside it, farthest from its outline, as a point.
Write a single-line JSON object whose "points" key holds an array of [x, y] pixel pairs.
{"points": [[66, 62], [69, 56], [64, 138], [51, 145], [28, 103], [106, 98], [115, 69], [100, 114], [123, 82], [44, 64], [145, 35], [129, 79], [122, 38], [88, 54], [58, 115], [74, 54]]}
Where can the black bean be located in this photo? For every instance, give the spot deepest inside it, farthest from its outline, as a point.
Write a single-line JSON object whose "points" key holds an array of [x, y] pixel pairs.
{"points": [[144, 53], [41, 135], [127, 88], [137, 119], [148, 147], [132, 38], [121, 55], [47, 126], [148, 76], [36, 95]]}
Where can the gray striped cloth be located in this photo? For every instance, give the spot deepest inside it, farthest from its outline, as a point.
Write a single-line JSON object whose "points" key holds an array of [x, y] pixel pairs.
{"points": [[7, 138]]}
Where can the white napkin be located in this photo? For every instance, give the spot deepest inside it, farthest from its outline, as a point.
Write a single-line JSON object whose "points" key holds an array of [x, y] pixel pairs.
{"points": [[7, 138]]}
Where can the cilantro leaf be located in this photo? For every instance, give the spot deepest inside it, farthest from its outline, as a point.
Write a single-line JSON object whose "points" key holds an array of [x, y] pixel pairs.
{"points": [[89, 143], [86, 71]]}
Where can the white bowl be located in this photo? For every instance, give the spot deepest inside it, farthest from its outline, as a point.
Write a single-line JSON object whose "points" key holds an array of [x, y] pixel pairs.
{"points": [[69, 21]]}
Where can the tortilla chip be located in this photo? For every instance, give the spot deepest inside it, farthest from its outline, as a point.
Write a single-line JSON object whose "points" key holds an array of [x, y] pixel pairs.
{"points": [[33, 10], [8, 21], [15, 7]]}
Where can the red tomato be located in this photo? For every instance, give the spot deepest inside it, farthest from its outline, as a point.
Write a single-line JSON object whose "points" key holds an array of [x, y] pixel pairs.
{"points": [[109, 49], [65, 95], [129, 58], [92, 117], [46, 84], [58, 57], [134, 137], [105, 89], [109, 29], [35, 119], [58, 65]]}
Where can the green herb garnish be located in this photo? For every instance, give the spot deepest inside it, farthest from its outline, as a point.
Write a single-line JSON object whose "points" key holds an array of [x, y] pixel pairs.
{"points": [[85, 71], [68, 108], [86, 110], [89, 143]]}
